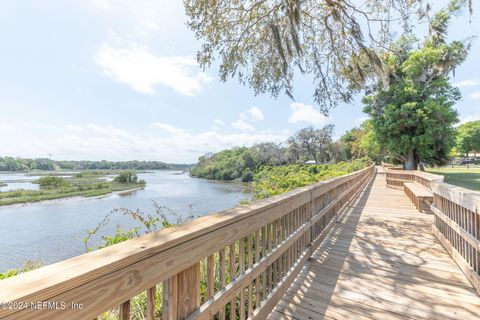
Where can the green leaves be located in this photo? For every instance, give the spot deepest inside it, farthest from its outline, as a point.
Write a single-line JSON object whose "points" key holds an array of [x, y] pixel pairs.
{"points": [[468, 137], [264, 43], [270, 181]]}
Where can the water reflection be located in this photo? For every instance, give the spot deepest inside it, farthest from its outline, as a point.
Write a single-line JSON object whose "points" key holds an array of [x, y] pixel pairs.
{"points": [[53, 230]]}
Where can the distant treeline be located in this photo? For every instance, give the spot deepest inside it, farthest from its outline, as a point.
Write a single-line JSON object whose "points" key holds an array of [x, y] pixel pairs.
{"points": [[22, 164]]}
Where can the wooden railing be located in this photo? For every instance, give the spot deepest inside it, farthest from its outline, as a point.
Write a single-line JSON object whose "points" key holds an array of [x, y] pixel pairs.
{"points": [[457, 227], [235, 264], [395, 178], [456, 219]]}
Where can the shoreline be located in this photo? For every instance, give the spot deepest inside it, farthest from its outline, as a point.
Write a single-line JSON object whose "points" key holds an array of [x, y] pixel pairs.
{"points": [[69, 198]]}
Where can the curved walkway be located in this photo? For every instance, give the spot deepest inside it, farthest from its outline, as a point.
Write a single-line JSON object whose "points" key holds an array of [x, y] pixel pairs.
{"points": [[381, 261]]}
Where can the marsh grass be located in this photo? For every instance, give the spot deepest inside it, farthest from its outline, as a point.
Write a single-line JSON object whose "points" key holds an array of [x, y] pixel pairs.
{"points": [[88, 184]]}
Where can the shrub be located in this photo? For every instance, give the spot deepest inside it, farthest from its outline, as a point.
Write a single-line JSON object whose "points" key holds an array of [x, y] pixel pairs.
{"points": [[126, 177], [247, 175], [52, 182]]}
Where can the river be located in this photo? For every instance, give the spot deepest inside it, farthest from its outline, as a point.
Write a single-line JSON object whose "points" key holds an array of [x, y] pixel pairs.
{"points": [[52, 231]]}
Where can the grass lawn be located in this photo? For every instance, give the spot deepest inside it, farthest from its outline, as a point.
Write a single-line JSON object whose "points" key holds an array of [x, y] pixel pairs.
{"points": [[462, 177]]}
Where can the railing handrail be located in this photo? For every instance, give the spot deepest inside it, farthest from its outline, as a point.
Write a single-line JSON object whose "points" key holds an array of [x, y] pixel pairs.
{"points": [[456, 218], [208, 234], [468, 199], [425, 175]]}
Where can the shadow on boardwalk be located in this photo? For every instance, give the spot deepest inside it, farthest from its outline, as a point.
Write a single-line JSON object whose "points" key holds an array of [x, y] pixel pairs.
{"points": [[381, 261]]}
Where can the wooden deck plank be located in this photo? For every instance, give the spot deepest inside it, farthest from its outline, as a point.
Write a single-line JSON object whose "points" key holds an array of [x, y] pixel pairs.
{"points": [[381, 261]]}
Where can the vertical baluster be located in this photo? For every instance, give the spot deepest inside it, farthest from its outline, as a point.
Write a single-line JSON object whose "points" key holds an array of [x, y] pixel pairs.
{"points": [[269, 268], [151, 301], [250, 285], [232, 277], [124, 311], [241, 263], [275, 263], [210, 276], [188, 286], [257, 258], [221, 258], [170, 298], [264, 253]]}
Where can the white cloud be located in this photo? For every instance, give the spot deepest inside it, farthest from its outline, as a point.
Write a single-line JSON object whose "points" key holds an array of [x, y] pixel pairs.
{"points": [[168, 128], [303, 113], [475, 95], [142, 70], [97, 142], [243, 126], [467, 83], [255, 114]]}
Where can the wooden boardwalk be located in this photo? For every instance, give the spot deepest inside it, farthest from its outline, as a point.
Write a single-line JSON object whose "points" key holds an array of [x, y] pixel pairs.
{"points": [[381, 261]]}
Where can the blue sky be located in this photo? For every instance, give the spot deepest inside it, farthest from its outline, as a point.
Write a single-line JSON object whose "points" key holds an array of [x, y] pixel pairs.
{"points": [[117, 80]]}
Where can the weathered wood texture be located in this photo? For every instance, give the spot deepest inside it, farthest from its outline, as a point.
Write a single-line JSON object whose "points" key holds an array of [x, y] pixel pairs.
{"points": [[457, 226], [456, 211], [396, 178], [421, 196], [244, 259], [380, 261]]}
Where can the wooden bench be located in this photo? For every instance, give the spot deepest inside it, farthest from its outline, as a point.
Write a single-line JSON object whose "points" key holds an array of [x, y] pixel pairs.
{"points": [[420, 195]]}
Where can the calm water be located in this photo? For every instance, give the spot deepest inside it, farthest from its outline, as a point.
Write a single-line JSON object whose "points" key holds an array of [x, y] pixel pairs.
{"points": [[53, 231]]}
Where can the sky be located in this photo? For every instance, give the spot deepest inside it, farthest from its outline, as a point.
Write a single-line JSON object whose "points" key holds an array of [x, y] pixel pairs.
{"points": [[118, 80]]}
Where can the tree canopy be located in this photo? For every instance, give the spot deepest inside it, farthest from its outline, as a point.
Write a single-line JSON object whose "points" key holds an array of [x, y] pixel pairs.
{"points": [[242, 162], [362, 142], [264, 43], [468, 137], [413, 117]]}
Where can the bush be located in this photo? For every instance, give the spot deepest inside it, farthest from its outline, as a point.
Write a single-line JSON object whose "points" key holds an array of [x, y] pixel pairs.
{"points": [[270, 181], [247, 175], [126, 177], [51, 182]]}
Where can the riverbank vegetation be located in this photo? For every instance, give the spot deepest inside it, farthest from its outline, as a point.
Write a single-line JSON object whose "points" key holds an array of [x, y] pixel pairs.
{"points": [[270, 181], [308, 144], [84, 184]]}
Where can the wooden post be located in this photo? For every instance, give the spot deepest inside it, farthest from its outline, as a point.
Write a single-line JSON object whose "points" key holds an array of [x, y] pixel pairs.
{"points": [[182, 293], [188, 286], [124, 312]]}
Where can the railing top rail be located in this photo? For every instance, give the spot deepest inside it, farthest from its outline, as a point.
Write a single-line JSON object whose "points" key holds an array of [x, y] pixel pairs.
{"points": [[54, 279], [466, 198], [424, 175]]}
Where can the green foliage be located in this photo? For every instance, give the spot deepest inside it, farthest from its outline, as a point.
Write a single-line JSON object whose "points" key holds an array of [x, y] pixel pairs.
{"points": [[242, 162], [21, 164], [264, 43], [247, 175], [225, 165], [87, 185], [413, 117], [270, 181], [362, 142], [27, 266], [312, 144], [52, 182], [126, 177], [468, 138]]}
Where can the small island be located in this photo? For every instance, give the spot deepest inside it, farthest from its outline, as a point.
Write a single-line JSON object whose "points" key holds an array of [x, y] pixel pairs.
{"points": [[90, 183]]}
